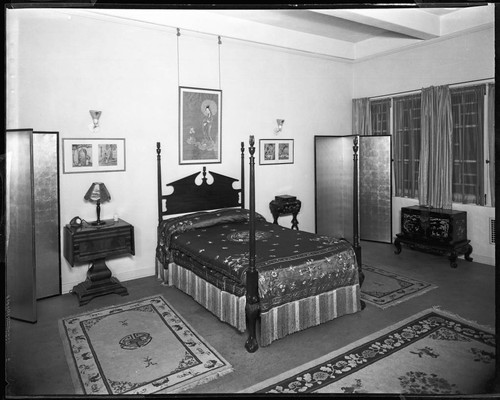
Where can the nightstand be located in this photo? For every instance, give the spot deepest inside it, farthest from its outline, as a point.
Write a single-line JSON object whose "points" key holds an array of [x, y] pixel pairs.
{"points": [[89, 243], [285, 205]]}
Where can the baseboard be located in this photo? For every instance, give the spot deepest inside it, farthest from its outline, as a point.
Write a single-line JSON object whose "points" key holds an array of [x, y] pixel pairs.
{"points": [[482, 259], [145, 272], [122, 277]]}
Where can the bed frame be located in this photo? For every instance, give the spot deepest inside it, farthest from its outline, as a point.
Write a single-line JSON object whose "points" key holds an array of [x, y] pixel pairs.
{"points": [[188, 196]]}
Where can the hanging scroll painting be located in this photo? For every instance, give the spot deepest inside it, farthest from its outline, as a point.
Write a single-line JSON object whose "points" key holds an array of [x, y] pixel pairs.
{"points": [[200, 112]]}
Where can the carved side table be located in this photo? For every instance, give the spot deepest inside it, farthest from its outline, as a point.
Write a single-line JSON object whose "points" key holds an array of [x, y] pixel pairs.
{"points": [[94, 244], [285, 205]]}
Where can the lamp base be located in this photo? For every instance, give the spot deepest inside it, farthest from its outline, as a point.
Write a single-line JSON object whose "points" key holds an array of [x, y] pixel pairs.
{"points": [[98, 223]]}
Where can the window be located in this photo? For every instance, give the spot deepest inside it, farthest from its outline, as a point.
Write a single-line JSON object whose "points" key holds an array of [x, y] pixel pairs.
{"points": [[470, 180], [380, 111], [406, 145], [468, 144]]}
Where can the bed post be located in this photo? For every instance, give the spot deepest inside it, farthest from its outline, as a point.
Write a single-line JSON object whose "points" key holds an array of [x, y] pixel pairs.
{"points": [[252, 295], [159, 196], [158, 167], [242, 180], [357, 247]]}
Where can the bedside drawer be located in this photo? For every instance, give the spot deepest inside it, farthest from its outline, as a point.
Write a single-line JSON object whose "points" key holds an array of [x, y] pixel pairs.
{"points": [[87, 244]]}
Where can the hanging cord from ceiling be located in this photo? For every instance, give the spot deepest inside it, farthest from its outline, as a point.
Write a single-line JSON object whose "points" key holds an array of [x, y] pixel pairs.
{"points": [[219, 44], [178, 58]]}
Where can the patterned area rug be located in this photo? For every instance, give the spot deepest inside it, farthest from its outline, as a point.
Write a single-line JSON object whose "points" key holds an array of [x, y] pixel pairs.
{"points": [[432, 352], [139, 347], [385, 289]]}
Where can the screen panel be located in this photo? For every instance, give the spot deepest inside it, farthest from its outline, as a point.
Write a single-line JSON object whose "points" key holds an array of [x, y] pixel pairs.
{"points": [[375, 204], [20, 241], [46, 204], [334, 186]]}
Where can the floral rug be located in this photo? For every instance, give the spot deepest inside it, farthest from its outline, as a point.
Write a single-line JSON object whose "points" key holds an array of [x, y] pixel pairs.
{"points": [[433, 352], [385, 289], [140, 347]]}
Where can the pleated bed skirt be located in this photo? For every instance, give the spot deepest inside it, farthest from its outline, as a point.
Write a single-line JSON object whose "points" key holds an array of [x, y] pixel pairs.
{"points": [[276, 323]]}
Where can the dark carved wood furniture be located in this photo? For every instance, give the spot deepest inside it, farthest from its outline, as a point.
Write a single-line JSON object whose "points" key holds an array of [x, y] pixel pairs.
{"points": [[439, 231], [285, 205], [196, 194], [219, 194], [89, 243]]}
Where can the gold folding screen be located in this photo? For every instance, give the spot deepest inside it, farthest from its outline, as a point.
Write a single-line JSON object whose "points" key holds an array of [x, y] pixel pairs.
{"points": [[32, 220], [334, 187]]}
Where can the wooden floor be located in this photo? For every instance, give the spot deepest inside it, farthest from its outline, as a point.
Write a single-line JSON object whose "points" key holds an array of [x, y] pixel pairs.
{"points": [[36, 364]]}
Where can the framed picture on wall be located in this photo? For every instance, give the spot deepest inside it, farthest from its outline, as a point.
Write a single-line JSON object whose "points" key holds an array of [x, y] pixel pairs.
{"points": [[93, 155], [273, 151], [200, 117]]}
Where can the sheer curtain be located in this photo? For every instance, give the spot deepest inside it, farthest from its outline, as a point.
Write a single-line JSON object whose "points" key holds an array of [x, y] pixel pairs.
{"points": [[380, 116], [491, 139], [468, 144], [361, 117], [436, 163], [406, 145]]}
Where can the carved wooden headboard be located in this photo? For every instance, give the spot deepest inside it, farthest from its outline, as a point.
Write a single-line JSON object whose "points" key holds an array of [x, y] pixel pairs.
{"points": [[188, 196]]}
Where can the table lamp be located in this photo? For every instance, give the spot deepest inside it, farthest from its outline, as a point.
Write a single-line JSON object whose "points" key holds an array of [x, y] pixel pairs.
{"points": [[98, 193]]}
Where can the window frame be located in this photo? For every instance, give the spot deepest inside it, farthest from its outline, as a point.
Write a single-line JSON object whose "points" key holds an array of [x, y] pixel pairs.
{"points": [[487, 188], [472, 122], [403, 138]]}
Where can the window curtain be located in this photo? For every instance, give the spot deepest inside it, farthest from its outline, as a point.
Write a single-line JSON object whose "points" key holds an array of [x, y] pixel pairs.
{"points": [[361, 117], [491, 139], [406, 145], [468, 141], [380, 116], [436, 163]]}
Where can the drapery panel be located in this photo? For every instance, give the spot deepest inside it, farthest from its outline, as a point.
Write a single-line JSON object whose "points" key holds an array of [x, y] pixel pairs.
{"points": [[361, 117], [406, 152], [435, 170], [468, 144], [491, 139]]}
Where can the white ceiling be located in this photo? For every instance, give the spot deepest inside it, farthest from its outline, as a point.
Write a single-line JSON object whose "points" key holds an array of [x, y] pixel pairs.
{"points": [[350, 34], [372, 25]]}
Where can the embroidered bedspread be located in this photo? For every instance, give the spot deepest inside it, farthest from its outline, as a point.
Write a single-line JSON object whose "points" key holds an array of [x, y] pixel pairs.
{"points": [[292, 264]]}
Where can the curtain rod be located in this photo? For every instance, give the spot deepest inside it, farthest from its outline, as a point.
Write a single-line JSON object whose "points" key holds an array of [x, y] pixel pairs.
{"points": [[417, 90]]}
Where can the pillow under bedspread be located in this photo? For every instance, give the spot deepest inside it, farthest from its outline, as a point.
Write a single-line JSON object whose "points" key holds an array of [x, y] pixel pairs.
{"points": [[292, 264]]}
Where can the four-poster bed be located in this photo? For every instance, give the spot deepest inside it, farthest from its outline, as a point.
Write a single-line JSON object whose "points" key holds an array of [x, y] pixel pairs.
{"points": [[290, 281]]}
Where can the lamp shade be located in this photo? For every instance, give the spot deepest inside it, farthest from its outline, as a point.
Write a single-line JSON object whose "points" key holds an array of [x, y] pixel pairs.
{"points": [[97, 192]]}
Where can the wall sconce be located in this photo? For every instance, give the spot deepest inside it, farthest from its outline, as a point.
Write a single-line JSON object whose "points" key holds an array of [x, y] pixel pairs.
{"points": [[280, 123], [94, 127]]}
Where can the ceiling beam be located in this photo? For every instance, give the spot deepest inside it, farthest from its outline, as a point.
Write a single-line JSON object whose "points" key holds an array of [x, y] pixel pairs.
{"points": [[415, 23]]}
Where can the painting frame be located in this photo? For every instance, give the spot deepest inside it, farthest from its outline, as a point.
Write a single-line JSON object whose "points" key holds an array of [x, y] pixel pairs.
{"points": [[83, 155], [200, 125], [276, 151]]}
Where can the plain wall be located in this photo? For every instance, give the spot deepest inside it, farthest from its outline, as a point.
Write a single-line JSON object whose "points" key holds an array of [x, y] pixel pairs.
{"points": [[63, 66]]}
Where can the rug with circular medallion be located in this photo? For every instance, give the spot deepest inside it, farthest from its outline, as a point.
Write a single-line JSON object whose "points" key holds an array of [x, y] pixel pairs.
{"points": [[140, 347]]}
